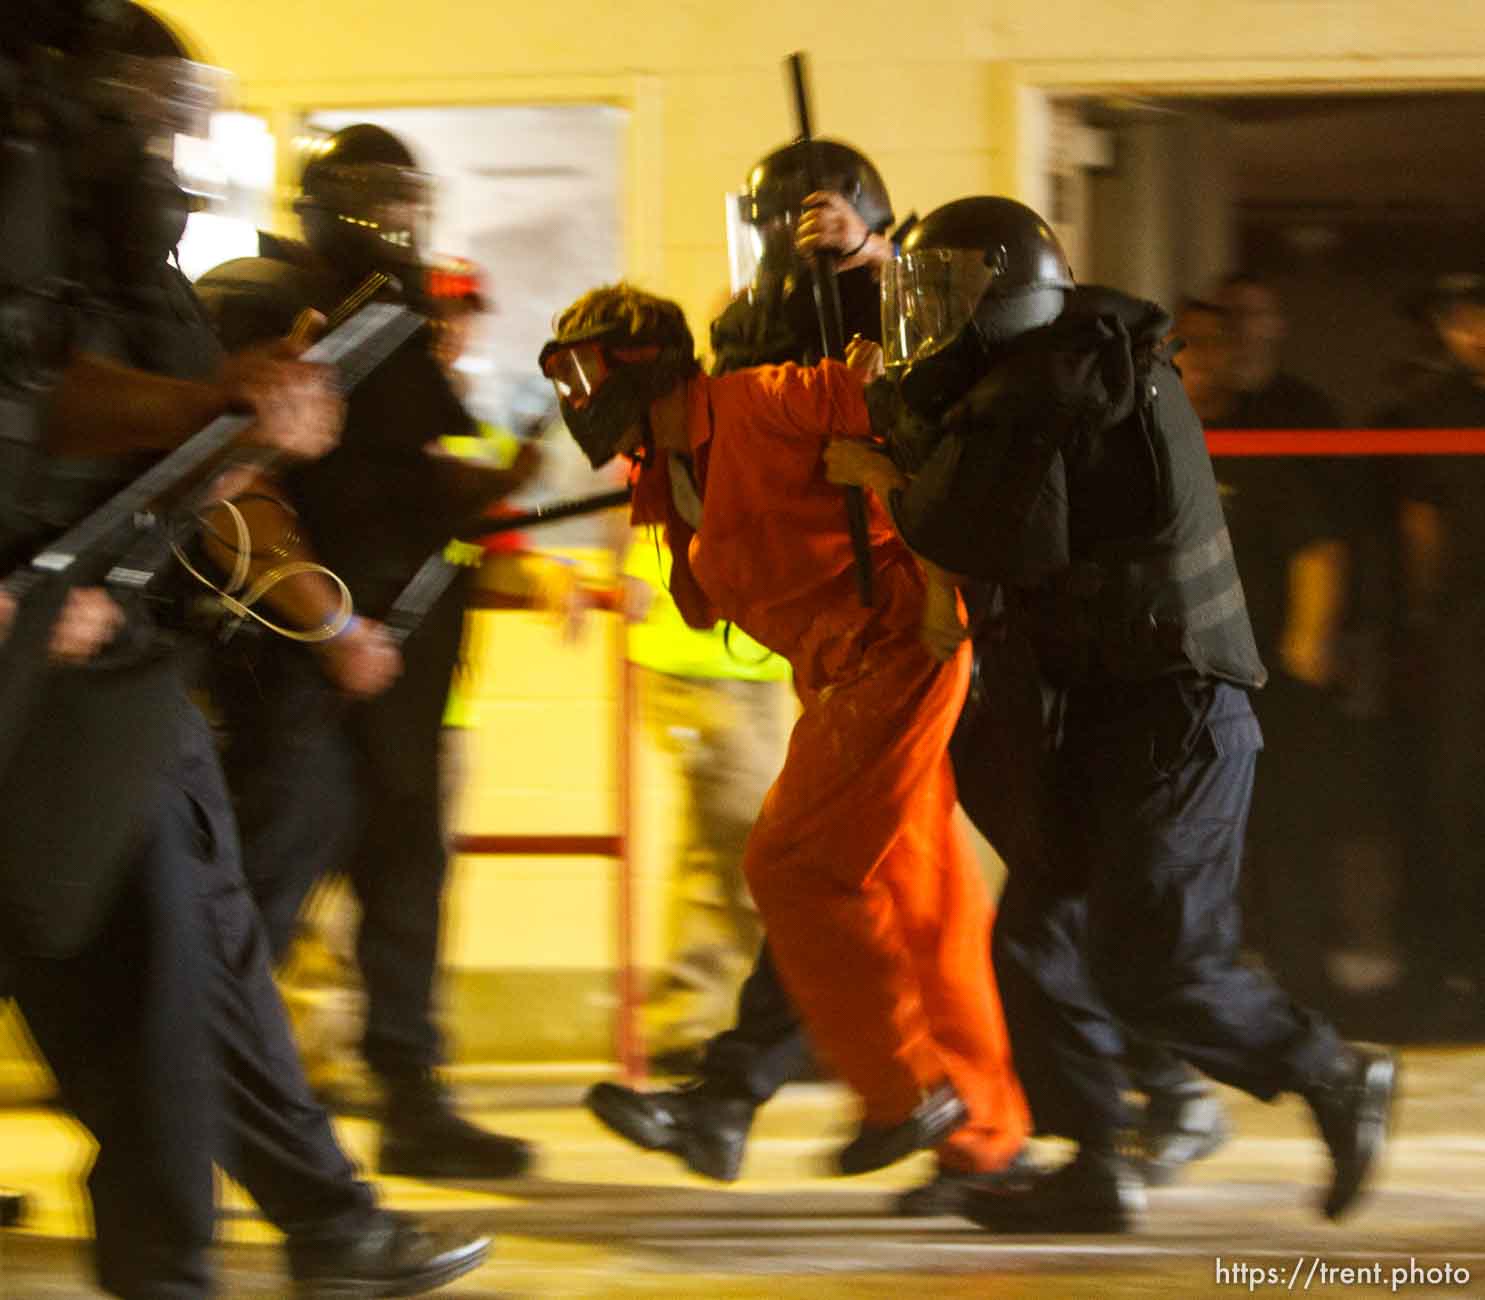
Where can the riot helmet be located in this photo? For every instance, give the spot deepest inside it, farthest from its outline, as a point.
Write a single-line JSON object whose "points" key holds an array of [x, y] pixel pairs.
{"points": [[762, 217], [614, 352], [65, 25], [152, 102], [971, 276], [773, 317], [364, 203], [145, 74]]}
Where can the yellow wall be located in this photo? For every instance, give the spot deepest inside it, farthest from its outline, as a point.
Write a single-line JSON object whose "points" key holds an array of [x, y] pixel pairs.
{"points": [[949, 98], [935, 92]]}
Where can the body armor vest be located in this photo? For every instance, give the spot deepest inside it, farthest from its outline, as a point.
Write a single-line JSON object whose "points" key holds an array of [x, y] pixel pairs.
{"points": [[756, 330], [155, 326], [1076, 474], [250, 299], [1133, 604], [100, 738], [36, 297]]}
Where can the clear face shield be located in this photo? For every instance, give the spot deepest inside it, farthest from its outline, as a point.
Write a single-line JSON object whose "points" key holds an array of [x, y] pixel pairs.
{"points": [[387, 205], [760, 254], [170, 103], [928, 296]]}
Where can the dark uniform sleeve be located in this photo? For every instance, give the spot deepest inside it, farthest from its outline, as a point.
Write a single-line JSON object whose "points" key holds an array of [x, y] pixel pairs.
{"points": [[377, 506], [404, 404], [991, 501], [251, 300]]}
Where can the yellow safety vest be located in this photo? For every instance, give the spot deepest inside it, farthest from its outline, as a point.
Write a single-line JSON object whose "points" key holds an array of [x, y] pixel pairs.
{"points": [[667, 644]]}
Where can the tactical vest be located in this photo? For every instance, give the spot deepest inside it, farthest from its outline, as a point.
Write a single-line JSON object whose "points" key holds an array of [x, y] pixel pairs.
{"points": [[98, 739], [760, 331], [1164, 599], [250, 299], [36, 297], [156, 326]]}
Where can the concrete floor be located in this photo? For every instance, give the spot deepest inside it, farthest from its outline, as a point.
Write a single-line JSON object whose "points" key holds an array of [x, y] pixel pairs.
{"points": [[603, 1220]]}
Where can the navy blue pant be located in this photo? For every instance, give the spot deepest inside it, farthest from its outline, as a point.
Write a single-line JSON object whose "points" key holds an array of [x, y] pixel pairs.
{"points": [[277, 1140], [767, 1047], [323, 785], [1002, 774], [171, 1046], [123, 1026], [1135, 912]]}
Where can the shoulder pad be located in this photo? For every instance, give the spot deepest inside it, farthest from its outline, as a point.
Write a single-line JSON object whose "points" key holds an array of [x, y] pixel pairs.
{"points": [[254, 298]]}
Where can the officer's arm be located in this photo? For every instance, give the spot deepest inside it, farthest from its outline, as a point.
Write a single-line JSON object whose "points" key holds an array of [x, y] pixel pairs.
{"points": [[854, 462], [471, 486], [88, 621], [361, 659], [944, 626], [988, 496], [831, 224], [103, 408], [305, 601]]}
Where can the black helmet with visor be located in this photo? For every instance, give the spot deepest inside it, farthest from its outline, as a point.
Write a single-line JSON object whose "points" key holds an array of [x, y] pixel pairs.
{"points": [[147, 154], [763, 216], [971, 275], [365, 204]]}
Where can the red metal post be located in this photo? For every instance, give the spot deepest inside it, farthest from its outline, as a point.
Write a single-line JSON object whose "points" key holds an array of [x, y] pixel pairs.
{"points": [[630, 1036]]}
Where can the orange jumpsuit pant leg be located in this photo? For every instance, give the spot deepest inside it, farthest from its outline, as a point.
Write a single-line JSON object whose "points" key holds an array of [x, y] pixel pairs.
{"points": [[947, 916], [874, 905]]}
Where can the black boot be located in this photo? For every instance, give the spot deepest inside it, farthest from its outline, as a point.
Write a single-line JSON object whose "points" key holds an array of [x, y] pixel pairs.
{"points": [[1096, 1191], [946, 1193], [422, 1137], [933, 1119], [392, 1257], [1353, 1106], [704, 1125], [1179, 1125]]}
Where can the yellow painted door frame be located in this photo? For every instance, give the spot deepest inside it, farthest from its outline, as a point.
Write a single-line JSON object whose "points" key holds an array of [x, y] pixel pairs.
{"points": [[1020, 126]]}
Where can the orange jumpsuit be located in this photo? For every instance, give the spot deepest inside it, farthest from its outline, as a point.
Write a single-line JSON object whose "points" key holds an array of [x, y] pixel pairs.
{"points": [[870, 891]]}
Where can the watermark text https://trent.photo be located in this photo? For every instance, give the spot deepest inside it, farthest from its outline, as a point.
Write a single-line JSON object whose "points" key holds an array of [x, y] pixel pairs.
{"points": [[1308, 1272]]}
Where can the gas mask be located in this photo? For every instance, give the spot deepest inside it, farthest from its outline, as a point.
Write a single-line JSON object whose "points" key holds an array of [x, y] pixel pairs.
{"points": [[606, 382]]}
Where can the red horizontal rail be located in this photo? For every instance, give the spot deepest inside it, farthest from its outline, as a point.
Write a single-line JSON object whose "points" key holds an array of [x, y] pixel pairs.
{"points": [[598, 846], [628, 1033], [1346, 442], [493, 598]]}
